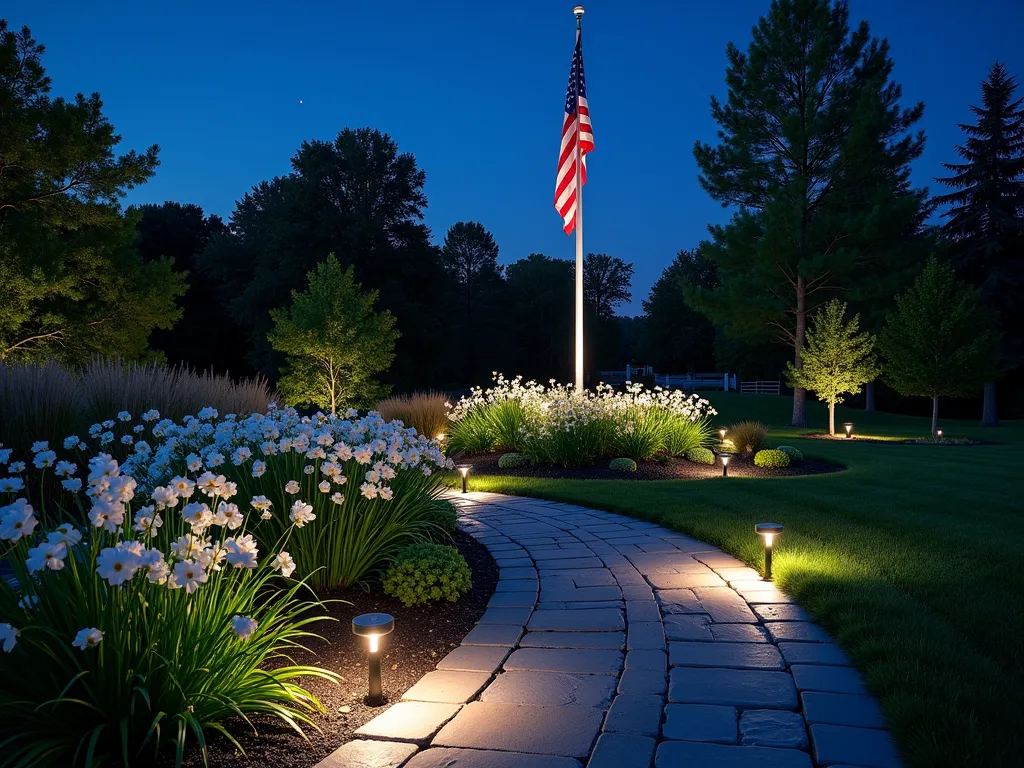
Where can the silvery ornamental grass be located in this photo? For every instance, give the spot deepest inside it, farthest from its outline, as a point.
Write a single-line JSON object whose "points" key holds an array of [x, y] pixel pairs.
{"points": [[136, 617], [555, 424]]}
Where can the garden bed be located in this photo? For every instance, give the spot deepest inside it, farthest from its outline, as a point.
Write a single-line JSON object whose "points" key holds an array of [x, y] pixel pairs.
{"points": [[423, 635], [946, 441], [673, 469]]}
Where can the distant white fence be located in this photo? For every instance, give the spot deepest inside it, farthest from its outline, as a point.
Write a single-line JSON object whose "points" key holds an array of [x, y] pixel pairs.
{"points": [[687, 381], [760, 387]]}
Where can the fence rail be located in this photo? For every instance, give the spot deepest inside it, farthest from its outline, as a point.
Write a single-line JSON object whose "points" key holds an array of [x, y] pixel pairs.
{"points": [[760, 387], [687, 381]]}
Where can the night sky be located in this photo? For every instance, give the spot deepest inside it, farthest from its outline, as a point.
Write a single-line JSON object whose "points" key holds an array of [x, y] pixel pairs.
{"points": [[475, 91]]}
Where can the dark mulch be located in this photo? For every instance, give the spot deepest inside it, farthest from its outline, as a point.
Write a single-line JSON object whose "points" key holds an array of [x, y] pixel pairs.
{"points": [[422, 636], [946, 441], [673, 469]]}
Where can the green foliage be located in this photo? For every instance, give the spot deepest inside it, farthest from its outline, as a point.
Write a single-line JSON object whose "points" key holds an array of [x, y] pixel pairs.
{"points": [[444, 515], [506, 420], [540, 318], [577, 446], [335, 342], [622, 465], [426, 411], [169, 669], [795, 454], [473, 433], [426, 572], [940, 340], [675, 336], [700, 455], [837, 360], [771, 459], [683, 434], [639, 432], [73, 285], [512, 461], [819, 174], [747, 436], [606, 283]]}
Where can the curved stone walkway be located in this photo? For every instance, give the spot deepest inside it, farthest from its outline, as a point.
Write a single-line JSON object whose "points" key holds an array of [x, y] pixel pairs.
{"points": [[612, 642]]}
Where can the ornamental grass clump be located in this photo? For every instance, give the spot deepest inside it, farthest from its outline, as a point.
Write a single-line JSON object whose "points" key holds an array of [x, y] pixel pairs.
{"points": [[426, 572], [140, 619], [349, 492], [747, 437], [426, 411]]}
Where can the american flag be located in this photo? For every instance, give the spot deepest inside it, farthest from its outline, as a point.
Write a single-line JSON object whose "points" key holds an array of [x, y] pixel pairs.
{"points": [[575, 104]]}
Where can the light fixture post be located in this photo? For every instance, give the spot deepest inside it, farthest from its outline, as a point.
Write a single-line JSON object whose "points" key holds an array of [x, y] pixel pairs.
{"points": [[768, 531], [849, 430], [725, 463], [464, 471], [373, 626]]}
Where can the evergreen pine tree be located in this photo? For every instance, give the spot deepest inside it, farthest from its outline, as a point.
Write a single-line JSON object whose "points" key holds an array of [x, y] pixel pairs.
{"points": [[814, 150], [985, 220]]}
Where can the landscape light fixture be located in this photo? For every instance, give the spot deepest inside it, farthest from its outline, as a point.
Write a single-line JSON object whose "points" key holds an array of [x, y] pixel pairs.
{"points": [[372, 626], [769, 531], [849, 430], [441, 436], [464, 471], [725, 463], [938, 433], [721, 434]]}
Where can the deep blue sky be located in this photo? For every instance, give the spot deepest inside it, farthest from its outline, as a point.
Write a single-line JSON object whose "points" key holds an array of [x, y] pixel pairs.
{"points": [[475, 90]]}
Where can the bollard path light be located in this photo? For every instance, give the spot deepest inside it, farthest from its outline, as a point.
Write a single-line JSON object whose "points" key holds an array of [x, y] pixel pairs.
{"points": [[725, 463], [769, 531], [849, 430], [938, 433], [721, 434], [464, 471], [372, 626]]}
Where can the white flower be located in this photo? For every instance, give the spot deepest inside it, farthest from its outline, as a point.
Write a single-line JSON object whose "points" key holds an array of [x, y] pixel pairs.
{"points": [[242, 551], [65, 533], [193, 462], [142, 447], [127, 439], [8, 636], [46, 555], [338, 498], [363, 455], [228, 490], [369, 490], [183, 486], [386, 493], [309, 469], [187, 547], [197, 514], [71, 442], [124, 416], [284, 563], [5, 455], [211, 557], [301, 513], [40, 445], [151, 415], [106, 515], [211, 484], [228, 515], [16, 467], [325, 487], [190, 575], [241, 455], [165, 496], [122, 488], [116, 565], [147, 521], [156, 568], [44, 459], [215, 459], [243, 627], [65, 469], [292, 486], [208, 414], [11, 484], [73, 484], [17, 520], [258, 468], [87, 638], [261, 503]]}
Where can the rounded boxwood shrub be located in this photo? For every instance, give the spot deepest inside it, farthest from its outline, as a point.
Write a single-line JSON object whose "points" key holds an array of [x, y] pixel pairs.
{"points": [[444, 515], [795, 454], [771, 459], [512, 461], [425, 572], [622, 465], [700, 455]]}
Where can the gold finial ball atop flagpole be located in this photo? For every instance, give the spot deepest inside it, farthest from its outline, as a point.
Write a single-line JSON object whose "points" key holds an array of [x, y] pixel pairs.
{"points": [[578, 10]]}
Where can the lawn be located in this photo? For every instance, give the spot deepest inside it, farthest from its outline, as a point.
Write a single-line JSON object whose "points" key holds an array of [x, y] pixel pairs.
{"points": [[913, 558]]}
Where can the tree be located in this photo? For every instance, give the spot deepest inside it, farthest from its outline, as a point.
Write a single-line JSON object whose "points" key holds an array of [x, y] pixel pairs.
{"points": [[205, 338], [334, 341], [814, 150], [838, 359], [360, 198], [985, 220], [940, 340], [73, 286], [470, 258], [540, 318], [606, 283], [676, 337]]}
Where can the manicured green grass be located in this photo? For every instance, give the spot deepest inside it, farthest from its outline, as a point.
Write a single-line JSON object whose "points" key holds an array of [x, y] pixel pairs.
{"points": [[913, 558]]}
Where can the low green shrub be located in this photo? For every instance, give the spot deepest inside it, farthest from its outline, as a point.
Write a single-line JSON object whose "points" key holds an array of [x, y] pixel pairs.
{"points": [[771, 459], [512, 461], [444, 515], [747, 437], [795, 454], [622, 465], [425, 572], [700, 455]]}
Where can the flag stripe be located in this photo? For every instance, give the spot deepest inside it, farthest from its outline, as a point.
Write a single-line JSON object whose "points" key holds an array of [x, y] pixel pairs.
{"points": [[577, 118]]}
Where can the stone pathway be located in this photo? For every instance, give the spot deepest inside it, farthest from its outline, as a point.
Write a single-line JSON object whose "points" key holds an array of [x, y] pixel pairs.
{"points": [[612, 642]]}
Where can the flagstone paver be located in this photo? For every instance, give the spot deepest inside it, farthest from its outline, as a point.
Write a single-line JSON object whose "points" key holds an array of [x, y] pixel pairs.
{"points": [[615, 642]]}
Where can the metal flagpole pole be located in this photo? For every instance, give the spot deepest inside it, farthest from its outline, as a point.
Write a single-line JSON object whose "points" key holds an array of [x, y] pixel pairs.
{"points": [[578, 11]]}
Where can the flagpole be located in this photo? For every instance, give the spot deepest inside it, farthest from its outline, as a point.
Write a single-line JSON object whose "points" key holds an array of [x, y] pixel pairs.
{"points": [[578, 11]]}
